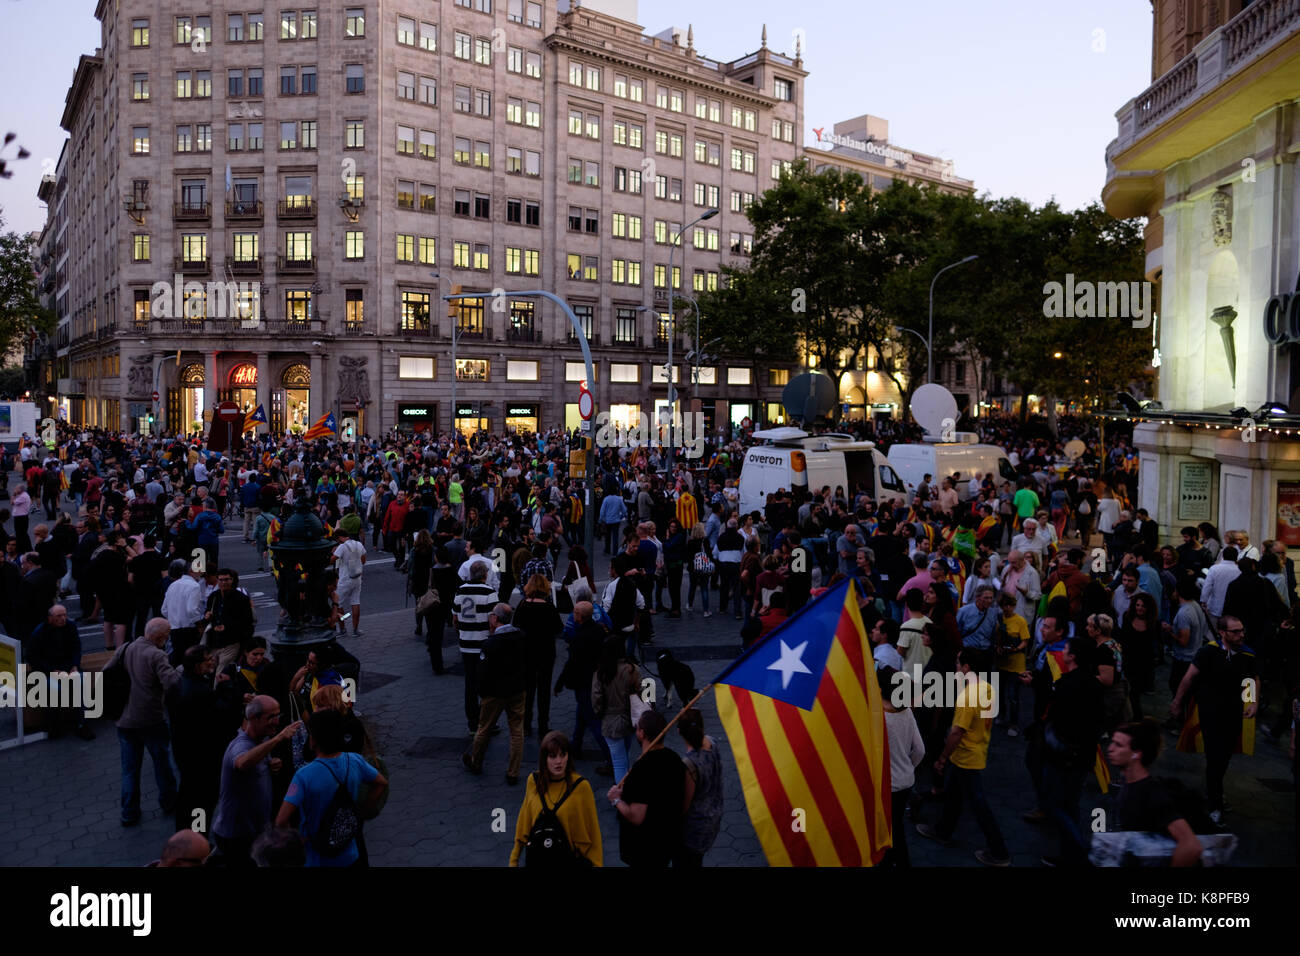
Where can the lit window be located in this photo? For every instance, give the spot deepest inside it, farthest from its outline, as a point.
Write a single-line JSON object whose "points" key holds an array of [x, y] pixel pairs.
{"points": [[415, 366], [354, 245]]}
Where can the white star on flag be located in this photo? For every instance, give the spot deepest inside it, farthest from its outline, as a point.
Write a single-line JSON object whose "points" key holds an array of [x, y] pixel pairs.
{"points": [[789, 663]]}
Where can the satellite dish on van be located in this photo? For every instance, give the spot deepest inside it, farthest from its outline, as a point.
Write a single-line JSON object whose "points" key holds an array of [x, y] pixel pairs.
{"points": [[809, 396], [932, 406], [1074, 449]]}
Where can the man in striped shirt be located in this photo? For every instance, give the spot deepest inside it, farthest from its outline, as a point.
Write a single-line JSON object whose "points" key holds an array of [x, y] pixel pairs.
{"points": [[474, 602]]}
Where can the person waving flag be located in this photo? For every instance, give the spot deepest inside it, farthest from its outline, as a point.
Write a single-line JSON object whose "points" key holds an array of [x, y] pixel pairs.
{"points": [[324, 427]]}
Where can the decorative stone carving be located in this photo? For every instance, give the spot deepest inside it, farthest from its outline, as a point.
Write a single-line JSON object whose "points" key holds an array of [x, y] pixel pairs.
{"points": [[1221, 217], [139, 377], [354, 380]]}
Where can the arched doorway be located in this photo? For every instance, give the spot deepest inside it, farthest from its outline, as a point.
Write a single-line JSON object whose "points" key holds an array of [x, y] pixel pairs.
{"points": [[243, 386], [291, 401], [192, 398]]}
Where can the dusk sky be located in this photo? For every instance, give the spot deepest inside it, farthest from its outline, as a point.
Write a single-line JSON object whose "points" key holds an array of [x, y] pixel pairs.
{"points": [[1020, 94]]}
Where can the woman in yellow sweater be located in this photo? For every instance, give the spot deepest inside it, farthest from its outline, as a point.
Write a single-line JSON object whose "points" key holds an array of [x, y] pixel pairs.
{"points": [[576, 812]]}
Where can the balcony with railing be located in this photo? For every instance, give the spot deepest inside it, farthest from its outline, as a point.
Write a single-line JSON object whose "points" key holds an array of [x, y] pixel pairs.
{"points": [[298, 266], [192, 212], [193, 266], [357, 327], [244, 211], [300, 207], [315, 326], [1224, 53], [524, 332], [249, 266]]}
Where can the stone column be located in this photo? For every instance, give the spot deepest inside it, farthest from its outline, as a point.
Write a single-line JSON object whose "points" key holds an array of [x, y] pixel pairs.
{"points": [[264, 388], [210, 383], [316, 397]]}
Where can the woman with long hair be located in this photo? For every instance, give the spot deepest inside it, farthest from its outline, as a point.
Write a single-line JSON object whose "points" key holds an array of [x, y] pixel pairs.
{"points": [[980, 576], [476, 529], [1137, 640], [1210, 540], [612, 686], [557, 787], [538, 618], [1108, 661], [420, 580], [698, 544]]}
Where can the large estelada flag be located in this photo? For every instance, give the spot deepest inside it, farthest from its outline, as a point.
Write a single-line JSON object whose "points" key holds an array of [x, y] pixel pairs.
{"points": [[803, 712], [324, 427]]}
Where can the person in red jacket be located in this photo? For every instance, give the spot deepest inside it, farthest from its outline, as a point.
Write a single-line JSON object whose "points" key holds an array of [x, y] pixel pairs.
{"points": [[1069, 573], [394, 526]]}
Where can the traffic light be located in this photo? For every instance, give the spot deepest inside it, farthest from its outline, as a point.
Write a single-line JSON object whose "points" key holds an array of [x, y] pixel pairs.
{"points": [[151, 418]]}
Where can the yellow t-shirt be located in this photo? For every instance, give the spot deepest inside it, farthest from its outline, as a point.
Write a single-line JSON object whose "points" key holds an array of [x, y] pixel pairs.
{"points": [[973, 751], [1019, 629]]}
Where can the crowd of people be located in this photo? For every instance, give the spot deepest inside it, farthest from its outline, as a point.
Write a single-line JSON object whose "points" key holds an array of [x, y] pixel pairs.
{"points": [[969, 575]]}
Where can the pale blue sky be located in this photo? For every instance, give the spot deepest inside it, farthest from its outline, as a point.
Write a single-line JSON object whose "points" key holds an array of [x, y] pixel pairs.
{"points": [[1020, 94]]}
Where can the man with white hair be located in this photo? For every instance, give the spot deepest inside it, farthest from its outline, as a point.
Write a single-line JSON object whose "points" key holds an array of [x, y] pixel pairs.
{"points": [[1031, 539], [1021, 580], [143, 723]]}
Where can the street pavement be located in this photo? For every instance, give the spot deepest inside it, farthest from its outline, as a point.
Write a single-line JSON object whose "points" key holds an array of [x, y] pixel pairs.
{"points": [[59, 798]]}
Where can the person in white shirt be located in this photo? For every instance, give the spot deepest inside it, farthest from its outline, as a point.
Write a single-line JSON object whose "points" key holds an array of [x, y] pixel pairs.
{"points": [[973, 486], [906, 751], [1032, 539], [200, 473], [184, 605], [1245, 549], [350, 557], [472, 558], [1214, 589], [884, 640]]}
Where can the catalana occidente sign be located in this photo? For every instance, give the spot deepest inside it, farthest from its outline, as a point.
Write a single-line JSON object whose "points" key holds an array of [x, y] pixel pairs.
{"points": [[872, 150]]}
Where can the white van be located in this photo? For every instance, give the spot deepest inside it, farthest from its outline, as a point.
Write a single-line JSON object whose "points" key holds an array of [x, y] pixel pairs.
{"points": [[796, 459], [944, 459]]}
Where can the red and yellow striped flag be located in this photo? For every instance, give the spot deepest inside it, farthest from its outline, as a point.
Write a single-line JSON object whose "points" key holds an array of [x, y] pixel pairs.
{"points": [[803, 712]]}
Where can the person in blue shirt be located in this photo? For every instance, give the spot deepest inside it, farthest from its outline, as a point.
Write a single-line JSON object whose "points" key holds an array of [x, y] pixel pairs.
{"points": [[977, 622], [314, 786], [613, 512], [208, 528]]}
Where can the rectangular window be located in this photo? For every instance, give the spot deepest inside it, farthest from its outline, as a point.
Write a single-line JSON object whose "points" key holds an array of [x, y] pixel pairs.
{"points": [[482, 206], [428, 37], [428, 91], [593, 78], [577, 371], [624, 372], [463, 49], [533, 65], [575, 122], [405, 86], [661, 97], [519, 370], [461, 98], [235, 27], [514, 160], [139, 33], [460, 255], [254, 135], [428, 144], [618, 272], [514, 260], [661, 187], [288, 80], [297, 246], [514, 60], [415, 311], [701, 108], [483, 51], [676, 100], [289, 135], [782, 89], [288, 25], [482, 154], [184, 30], [428, 197], [354, 309], [593, 126], [471, 370], [405, 140], [592, 176], [234, 83], [140, 87], [356, 78], [751, 121], [140, 248], [184, 85], [739, 376], [203, 84], [354, 187], [514, 210], [254, 82], [355, 24], [482, 256], [625, 332], [308, 78], [405, 247], [354, 244], [405, 194], [354, 134], [184, 139], [636, 91], [235, 137], [514, 110], [585, 315], [482, 103], [308, 132], [534, 16], [461, 151], [415, 366], [461, 202], [308, 31], [737, 116], [406, 31], [428, 250]]}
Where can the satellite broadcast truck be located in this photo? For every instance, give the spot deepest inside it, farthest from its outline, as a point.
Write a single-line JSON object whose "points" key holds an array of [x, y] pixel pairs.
{"points": [[793, 459]]}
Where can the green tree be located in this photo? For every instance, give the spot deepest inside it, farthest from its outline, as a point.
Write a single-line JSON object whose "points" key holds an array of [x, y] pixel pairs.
{"points": [[13, 382], [20, 311], [747, 318]]}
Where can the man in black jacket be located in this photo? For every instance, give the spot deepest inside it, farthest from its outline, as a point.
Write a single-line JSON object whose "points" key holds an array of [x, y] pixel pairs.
{"points": [[1073, 725], [55, 649], [585, 644], [502, 686], [1254, 601], [230, 617]]}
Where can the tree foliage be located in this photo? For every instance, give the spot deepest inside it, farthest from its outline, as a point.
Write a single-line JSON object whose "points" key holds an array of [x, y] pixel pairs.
{"points": [[21, 312]]}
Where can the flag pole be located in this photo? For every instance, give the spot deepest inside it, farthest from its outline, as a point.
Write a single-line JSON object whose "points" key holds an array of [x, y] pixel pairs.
{"points": [[655, 743]]}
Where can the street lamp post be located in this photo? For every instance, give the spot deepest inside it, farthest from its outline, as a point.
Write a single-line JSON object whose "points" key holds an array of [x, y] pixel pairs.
{"points": [[672, 320], [929, 342]]}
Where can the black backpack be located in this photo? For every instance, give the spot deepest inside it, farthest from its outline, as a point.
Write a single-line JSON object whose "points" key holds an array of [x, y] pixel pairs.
{"points": [[548, 844], [339, 824], [117, 685]]}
